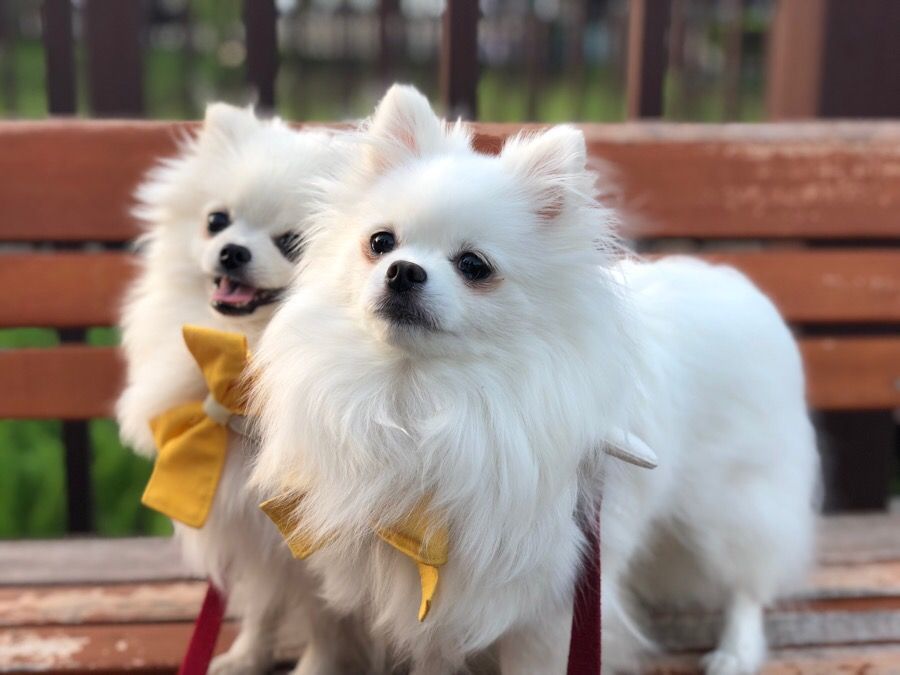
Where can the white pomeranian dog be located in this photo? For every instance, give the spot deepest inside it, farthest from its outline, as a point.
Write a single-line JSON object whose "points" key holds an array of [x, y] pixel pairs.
{"points": [[224, 225], [460, 335]]}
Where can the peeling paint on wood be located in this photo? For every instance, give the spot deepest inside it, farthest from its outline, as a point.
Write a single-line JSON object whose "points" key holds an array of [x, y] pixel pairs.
{"points": [[31, 651]]}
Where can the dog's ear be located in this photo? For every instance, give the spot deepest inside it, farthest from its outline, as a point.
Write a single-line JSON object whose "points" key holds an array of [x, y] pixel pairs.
{"points": [[552, 165], [403, 126], [630, 448], [227, 122]]}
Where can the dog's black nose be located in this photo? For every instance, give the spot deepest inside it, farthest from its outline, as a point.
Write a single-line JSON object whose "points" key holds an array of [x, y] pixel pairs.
{"points": [[403, 276], [233, 256]]}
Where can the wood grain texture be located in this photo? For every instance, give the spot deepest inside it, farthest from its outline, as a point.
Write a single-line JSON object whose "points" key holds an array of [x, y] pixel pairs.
{"points": [[721, 189], [135, 648], [90, 560], [64, 290], [852, 373], [69, 382], [857, 539], [846, 660], [140, 602], [825, 286], [72, 181], [815, 180]]}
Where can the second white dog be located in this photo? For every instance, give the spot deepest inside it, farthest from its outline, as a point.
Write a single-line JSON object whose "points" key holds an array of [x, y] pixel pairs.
{"points": [[224, 226]]}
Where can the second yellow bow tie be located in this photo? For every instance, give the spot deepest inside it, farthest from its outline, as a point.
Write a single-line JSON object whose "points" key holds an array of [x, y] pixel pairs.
{"points": [[192, 439], [416, 537]]}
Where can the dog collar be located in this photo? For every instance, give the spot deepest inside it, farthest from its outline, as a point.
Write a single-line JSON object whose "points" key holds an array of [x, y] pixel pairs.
{"points": [[192, 438]]}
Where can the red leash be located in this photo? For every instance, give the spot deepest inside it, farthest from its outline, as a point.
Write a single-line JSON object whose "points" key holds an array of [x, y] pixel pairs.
{"points": [[206, 631], [584, 645]]}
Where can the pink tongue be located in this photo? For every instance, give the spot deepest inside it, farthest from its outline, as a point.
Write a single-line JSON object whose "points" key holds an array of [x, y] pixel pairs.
{"points": [[234, 293]]}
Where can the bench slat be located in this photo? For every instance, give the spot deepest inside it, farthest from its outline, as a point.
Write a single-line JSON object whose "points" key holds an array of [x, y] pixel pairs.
{"points": [[814, 180], [72, 181], [120, 603], [874, 660], [68, 382], [138, 648], [158, 647], [853, 373], [847, 588], [89, 560], [777, 181], [80, 382], [841, 286], [64, 290], [833, 286]]}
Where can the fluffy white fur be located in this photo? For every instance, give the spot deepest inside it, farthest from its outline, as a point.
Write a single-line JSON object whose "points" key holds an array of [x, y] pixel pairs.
{"points": [[497, 403], [263, 174]]}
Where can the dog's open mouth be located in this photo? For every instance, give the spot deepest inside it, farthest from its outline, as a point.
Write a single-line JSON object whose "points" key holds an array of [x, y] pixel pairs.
{"points": [[237, 298]]}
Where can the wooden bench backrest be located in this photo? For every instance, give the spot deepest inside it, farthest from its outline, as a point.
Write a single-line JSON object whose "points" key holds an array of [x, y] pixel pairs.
{"points": [[811, 212]]}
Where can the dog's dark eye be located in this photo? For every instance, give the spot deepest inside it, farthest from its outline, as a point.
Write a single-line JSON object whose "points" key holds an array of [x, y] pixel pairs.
{"points": [[382, 242], [217, 221], [473, 267], [290, 244]]}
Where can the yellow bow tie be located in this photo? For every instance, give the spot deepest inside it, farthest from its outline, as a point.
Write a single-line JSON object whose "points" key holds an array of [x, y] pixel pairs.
{"points": [[415, 537], [192, 439]]}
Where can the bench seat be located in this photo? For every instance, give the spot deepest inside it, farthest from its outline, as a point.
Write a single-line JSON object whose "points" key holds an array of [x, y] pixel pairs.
{"points": [[127, 605]]}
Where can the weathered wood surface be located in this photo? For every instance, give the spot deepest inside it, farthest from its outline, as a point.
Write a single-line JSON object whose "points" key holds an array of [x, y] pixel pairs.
{"points": [[825, 286], [140, 648], [100, 602], [815, 180], [87, 560], [846, 660], [127, 605]]}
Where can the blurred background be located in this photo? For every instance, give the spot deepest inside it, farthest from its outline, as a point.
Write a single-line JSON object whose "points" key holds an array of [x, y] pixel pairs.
{"points": [[537, 60], [546, 60]]}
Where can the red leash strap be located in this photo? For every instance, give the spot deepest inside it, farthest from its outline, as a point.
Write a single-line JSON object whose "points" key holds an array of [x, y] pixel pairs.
{"points": [[584, 645], [206, 631]]}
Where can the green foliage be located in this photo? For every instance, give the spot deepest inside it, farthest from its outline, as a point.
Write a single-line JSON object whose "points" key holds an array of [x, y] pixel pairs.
{"points": [[32, 483], [119, 477]]}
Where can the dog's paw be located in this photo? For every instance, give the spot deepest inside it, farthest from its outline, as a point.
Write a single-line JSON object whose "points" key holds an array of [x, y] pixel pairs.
{"points": [[726, 663], [239, 662]]}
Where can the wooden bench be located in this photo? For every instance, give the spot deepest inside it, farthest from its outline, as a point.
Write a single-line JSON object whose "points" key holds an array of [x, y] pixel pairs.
{"points": [[811, 212]]}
